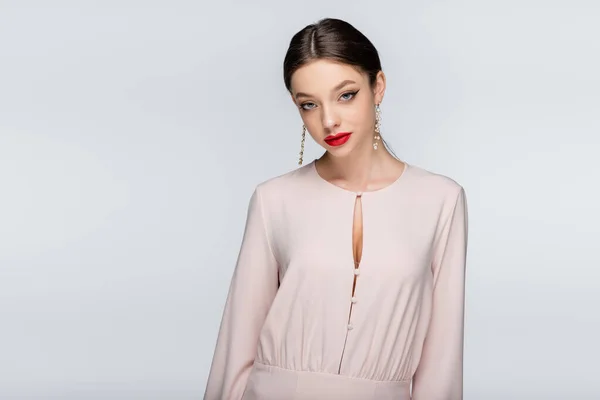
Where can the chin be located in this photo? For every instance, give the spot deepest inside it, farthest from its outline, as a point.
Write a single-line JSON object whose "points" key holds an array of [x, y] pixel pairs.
{"points": [[341, 151]]}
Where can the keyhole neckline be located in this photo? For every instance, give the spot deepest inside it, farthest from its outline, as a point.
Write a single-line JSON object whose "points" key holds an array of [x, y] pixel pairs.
{"points": [[313, 167]]}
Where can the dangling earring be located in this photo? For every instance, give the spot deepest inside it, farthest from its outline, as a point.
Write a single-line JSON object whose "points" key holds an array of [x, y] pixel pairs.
{"points": [[302, 144], [377, 126]]}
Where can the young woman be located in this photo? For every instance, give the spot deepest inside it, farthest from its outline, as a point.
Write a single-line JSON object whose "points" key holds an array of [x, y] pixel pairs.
{"points": [[350, 279]]}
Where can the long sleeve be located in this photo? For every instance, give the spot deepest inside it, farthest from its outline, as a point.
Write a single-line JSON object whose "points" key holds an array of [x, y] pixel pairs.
{"points": [[439, 375], [251, 292]]}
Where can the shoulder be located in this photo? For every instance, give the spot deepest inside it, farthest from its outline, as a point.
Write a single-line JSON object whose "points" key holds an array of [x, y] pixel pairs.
{"points": [[435, 185], [277, 187]]}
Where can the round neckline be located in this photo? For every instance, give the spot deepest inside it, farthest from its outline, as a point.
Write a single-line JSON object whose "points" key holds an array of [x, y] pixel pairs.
{"points": [[313, 163]]}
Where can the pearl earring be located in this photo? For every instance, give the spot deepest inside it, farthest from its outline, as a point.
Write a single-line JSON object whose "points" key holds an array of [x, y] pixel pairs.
{"points": [[302, 144], [377, 126]]}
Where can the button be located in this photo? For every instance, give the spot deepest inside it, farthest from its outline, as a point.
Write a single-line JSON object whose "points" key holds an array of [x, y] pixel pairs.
{"points": [[359, 194], [353, 300], [350, 327], [356, 271]]}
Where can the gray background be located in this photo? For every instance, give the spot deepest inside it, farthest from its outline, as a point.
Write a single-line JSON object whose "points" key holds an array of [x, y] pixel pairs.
{"points": [[133, 132]]}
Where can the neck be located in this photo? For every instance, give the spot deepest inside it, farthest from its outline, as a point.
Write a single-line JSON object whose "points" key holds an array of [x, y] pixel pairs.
{"points": [[359, 168]]}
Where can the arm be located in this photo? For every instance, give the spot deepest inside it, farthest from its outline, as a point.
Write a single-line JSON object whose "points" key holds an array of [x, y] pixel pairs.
{"points": [[439, 375], [251, 292]]}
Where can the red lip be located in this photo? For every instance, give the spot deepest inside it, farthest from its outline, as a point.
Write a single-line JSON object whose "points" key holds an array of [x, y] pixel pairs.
{"points": [[338, 139]]}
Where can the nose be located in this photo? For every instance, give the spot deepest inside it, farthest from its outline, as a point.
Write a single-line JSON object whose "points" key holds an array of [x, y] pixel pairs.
{"points": [[330, 119]]}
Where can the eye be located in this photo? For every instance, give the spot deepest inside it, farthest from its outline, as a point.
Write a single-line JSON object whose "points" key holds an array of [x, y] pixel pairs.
{"points": [[348, 95], [344, 97]]}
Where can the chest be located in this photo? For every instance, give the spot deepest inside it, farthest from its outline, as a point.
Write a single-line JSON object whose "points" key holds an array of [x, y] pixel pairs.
{"points": [[392, 239]]}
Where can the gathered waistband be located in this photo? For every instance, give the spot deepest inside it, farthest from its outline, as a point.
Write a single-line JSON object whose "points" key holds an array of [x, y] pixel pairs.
{"points": [[267, 382]]}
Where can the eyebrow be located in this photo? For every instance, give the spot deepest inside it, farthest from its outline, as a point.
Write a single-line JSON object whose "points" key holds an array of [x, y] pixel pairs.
{"points": [[338, 87]]}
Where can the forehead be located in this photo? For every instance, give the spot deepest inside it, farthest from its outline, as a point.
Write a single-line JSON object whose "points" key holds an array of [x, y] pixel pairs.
{"points": [[323, 75]]}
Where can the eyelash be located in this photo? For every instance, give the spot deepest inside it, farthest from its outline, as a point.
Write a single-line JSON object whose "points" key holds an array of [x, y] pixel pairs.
{"points": [[344, 94]]}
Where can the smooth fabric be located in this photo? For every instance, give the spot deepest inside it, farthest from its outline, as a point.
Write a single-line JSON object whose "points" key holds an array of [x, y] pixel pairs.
{"points": [[291, 328], [267, 382]]}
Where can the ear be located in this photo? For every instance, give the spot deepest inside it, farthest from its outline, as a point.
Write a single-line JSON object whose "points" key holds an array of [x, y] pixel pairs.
{"points": [[379, 88]]}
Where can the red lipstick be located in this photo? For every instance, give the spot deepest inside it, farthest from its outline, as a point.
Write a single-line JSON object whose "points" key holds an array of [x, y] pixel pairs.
{"points": [[338, 139]]}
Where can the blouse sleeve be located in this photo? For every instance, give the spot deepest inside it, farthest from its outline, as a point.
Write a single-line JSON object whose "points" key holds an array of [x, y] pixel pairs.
{"points": [[439, 375], [251, 291]]}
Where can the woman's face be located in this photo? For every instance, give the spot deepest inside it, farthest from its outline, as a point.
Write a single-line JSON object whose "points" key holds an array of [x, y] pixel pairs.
{"points": [[336, 100]]}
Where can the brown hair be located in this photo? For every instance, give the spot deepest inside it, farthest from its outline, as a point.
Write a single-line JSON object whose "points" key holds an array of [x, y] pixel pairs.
{"points": [[335, 40]]}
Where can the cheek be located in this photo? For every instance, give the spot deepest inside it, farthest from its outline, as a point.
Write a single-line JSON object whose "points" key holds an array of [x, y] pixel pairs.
{"points": [[313, 124], [360, 117]]}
